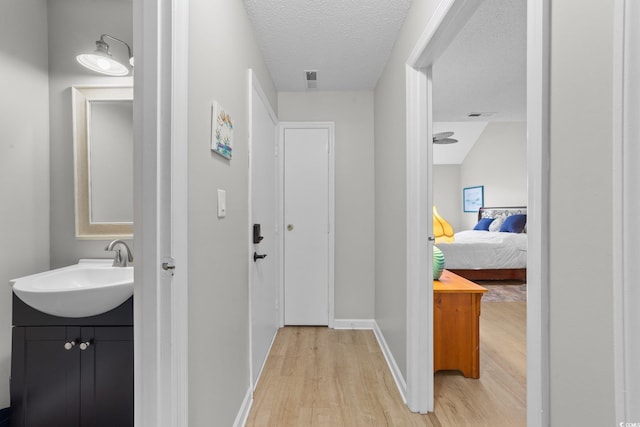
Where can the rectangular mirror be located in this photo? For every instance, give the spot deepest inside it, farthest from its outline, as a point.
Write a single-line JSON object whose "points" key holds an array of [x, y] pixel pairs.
{"points": [[103, 158]]}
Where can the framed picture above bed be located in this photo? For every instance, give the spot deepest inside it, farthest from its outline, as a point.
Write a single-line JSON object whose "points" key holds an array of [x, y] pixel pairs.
{"points": [[473, 198]]}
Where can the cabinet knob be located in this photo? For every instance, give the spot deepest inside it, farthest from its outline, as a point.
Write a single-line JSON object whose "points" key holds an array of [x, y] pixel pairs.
{"points": [[70, 344], [85, 345]]}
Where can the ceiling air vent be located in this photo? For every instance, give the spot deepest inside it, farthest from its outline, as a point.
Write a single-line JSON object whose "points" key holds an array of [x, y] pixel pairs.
{"points": [[312, 79]]}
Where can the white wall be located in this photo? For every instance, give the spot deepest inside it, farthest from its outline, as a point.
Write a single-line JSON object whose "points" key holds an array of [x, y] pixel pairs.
{"points": [[74, 27], [352, 113], [24, 157], [581, 314], [222, 48], [390, 185], [498, 160], [447, 193]]}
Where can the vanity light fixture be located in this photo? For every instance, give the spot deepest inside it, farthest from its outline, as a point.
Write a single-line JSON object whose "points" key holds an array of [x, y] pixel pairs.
{"points": [[101, 60]]}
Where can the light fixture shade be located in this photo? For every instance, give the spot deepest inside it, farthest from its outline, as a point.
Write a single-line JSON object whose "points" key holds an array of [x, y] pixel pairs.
{"points": [[442, 230], [102, 62]]}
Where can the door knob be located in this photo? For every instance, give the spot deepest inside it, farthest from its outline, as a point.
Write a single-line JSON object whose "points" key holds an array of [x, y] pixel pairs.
{"points": [[256, 257], [290, 227], [70, 344], [85, 345]]}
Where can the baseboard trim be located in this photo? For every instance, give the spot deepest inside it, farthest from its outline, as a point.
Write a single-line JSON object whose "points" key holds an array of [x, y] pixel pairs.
{"points": [[264, 362], [366, 324], [243, 414], [391, 362]]}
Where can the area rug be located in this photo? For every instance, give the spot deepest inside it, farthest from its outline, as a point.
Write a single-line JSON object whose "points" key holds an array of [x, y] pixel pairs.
{"points": [[504, 293]]}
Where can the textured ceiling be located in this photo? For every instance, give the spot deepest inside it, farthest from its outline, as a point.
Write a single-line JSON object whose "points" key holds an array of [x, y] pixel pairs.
{"points": [[484, 68], [482, 71], [347, 41]]}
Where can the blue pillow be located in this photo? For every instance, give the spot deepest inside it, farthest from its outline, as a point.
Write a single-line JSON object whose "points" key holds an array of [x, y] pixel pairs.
{"points": [[483, 224], [514, 223]]}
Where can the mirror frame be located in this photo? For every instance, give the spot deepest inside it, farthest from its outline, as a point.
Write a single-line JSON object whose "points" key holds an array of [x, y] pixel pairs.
{"points": [[81, 97]]}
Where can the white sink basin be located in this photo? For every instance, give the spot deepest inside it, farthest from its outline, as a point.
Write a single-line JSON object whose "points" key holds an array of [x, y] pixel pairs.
{"points": [[91, 287]]}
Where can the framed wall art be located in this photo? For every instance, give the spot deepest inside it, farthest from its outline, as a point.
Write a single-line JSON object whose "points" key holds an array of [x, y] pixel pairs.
{"points": [[221, 131], [473, 198]]}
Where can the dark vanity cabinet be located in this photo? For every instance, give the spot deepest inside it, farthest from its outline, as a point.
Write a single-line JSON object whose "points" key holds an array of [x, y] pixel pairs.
{"points": [[71, 372]]}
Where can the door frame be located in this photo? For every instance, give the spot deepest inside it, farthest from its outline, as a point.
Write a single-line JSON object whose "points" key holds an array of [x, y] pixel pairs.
{"points": [[330, 126], [161, 29], [448, 19], [626, 179], [254, 84]]}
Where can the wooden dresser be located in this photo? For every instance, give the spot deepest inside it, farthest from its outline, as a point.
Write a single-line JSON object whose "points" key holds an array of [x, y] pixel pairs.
{"points": [[457, 324]]}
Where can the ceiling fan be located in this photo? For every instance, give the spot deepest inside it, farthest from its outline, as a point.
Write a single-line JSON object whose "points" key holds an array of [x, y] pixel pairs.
{"points": [[443, 138]]}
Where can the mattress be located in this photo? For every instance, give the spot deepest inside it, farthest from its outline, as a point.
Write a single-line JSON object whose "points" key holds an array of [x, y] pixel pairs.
{"points": [[485, 250]]}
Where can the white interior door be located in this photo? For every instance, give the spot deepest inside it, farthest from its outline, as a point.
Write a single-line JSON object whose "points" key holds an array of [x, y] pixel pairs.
{"points": [[263, 271], [307, 225]]}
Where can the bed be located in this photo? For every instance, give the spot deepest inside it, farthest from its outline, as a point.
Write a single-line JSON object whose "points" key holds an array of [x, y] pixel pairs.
{"points": [[491, 254]]}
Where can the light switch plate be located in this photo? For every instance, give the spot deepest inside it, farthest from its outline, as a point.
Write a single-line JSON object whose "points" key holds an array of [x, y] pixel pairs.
{"points": [[222, 203]]}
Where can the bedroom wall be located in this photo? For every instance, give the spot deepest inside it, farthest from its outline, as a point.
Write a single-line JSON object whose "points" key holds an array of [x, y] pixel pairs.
{"points": [[24, 157], [447, 193], [352, 113], [222, 48], [74, 26], [498, 160], [390, 185], [581, 309]]}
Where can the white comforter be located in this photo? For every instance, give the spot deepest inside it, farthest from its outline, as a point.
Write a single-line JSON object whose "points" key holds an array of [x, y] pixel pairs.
{"points": [[485, 250]]}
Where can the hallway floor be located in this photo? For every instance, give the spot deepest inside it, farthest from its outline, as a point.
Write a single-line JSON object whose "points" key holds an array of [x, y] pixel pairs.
{"points": [[316, 376]]}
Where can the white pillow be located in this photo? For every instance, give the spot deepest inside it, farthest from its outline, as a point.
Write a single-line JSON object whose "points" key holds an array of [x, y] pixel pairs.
{"points": [[496, 224]]}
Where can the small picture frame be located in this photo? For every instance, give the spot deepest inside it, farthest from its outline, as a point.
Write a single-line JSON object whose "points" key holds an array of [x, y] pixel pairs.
{"points": [[473, 198], [221, 131]]}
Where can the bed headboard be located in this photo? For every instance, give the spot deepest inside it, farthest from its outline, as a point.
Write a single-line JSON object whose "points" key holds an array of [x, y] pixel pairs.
{"points": [[496, 212]]}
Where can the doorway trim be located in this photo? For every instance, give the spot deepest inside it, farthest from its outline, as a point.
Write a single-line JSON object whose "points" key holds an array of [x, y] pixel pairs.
{"points": [[161, 212], [626, 131], [330, 126], [419, 392], [448, 19]]}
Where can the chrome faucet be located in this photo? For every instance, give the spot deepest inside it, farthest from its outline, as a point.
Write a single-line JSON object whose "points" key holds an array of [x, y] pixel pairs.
{"points": [[120, 260]]}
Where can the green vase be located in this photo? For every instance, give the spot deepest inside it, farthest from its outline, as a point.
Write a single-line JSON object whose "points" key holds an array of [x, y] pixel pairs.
{"points": [[438, 263]]}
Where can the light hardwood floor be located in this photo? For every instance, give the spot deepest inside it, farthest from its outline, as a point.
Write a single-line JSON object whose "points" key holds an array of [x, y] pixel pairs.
{"points": [[317, 376]]}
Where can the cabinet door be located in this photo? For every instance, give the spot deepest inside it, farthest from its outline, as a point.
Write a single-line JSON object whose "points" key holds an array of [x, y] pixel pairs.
{"points": [[107, 377], [45, 378]]}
